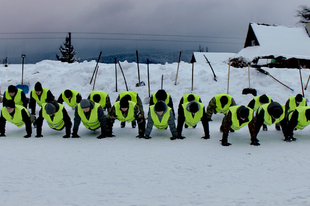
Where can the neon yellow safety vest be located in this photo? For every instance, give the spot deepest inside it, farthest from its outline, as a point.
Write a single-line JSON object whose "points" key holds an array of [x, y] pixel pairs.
{"points": [[234, 118], [43, 98], [257, 103], [302, 119], [131, 112], [163, 124], [189, 119], [185, 96], [103, 98], [292, 103], [72, 102], [267, 116], [93, 121], [166, 100], [17, 118], [219, 108], [18, 96], [132, 94], [58, 121]]}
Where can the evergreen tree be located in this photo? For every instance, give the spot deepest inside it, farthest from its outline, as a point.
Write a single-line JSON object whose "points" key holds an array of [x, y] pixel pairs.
{"points": [[303, 14], [67, 51]]}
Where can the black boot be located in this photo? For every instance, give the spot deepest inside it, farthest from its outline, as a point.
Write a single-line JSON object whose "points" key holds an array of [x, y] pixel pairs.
{"points": [[278, 128], [265, 127], [123, 124], [134, 123]]}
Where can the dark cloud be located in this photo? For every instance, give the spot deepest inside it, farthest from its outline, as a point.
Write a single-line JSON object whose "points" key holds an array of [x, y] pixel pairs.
{"points": [[112, 25]]}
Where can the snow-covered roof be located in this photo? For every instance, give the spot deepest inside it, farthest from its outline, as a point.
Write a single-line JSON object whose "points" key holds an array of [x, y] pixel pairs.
{"points": [[277, 41]]}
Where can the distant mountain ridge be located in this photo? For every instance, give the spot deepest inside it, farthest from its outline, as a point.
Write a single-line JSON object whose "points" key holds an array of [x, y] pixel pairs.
{"points": [[157, 57], [153, 57]]}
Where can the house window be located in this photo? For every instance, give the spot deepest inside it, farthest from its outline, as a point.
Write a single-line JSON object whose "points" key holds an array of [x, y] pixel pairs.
{"points": [[253, 43]]}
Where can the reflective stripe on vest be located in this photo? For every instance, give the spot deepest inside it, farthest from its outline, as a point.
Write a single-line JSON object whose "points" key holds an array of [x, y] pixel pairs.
{"points": [[58, 121], [234, 118], [219, 108], [163, 124], [130, 114], [267, 116], [17, 118], [93, 121], [103, 97], [189, 119], [17, 97], [72, 102], [43, 98]]}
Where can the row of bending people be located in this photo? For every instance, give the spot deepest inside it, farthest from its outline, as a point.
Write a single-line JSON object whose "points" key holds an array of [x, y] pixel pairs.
{"points": [[190, 110], [294, 115]]}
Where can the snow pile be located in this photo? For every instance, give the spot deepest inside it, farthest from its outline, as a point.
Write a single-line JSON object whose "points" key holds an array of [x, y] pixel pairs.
{"points": [[129, 171]]}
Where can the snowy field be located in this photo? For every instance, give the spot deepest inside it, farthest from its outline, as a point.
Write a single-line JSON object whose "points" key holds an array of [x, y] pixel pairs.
{"points": [[126, 171]]}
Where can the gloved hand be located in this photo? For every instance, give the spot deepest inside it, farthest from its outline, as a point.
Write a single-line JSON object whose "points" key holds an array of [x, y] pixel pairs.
{"points": [[27, 135], [173, 138], [101, 136], [225, 143], [289, 139], [110, 135], [39, 135], [206, 137], [255, 143], [75, 135], [140, 136], [66, 136], [147, 137], [2, 135]]}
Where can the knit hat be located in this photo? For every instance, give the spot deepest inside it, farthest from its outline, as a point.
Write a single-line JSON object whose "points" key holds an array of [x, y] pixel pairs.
{"points": [[276, 112], [68, 93], [223, 100], [96, 98], [38, 87], [10, 103], [124, 103], [50, 108], [243, 112], [193, 107], [12, 89], [85, 103], [160, 106], [161, 95], [190, 98], [127, 96], [298, 98], [263, 99]]}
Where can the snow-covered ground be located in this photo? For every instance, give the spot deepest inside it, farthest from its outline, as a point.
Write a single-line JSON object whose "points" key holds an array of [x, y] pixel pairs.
{"points": [[126, 171]]}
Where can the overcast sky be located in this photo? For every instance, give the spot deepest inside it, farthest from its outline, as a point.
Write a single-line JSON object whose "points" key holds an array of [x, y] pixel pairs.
{"points": [[32, 27]]}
